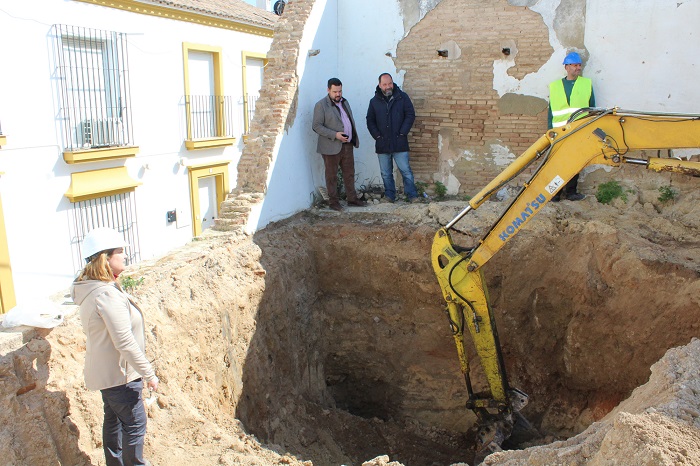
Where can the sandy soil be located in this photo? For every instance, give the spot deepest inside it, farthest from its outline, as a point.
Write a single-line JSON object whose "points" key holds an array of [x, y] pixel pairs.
{"points": [[321, 340]]}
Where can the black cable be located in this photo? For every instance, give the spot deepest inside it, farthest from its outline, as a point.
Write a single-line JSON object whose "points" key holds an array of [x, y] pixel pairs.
{"points": [[624, 141], [449, 281]]}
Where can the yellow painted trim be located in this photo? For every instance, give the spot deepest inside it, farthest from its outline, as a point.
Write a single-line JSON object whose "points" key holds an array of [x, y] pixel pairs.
{"points": [[244, 57], [218, 170], [194, 144], [3, 140], [92, 155], [216, 53], [7, 287], [182, 15], [100, 183]]}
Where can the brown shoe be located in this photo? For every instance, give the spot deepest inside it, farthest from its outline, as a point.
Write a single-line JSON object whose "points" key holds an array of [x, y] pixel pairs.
{"points": [[336, 206], [358, 203]]}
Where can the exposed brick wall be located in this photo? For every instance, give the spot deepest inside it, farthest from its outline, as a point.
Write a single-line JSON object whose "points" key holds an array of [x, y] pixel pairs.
{"points": [[277, 97], [455, 98]]}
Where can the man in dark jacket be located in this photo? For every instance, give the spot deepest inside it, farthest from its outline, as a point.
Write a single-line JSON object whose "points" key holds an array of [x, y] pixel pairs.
{"points": [[389, 119], [335, 126]]}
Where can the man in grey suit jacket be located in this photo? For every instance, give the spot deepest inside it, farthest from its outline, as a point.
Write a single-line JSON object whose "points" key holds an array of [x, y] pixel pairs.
{"points": [[335, 126]]}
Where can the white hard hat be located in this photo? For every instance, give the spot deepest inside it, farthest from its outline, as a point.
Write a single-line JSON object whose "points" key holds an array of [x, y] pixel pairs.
{"points": [[102, 239]]}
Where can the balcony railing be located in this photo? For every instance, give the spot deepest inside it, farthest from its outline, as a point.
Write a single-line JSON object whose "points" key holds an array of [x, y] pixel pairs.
{"points": [[210, 116], [248, 111]]}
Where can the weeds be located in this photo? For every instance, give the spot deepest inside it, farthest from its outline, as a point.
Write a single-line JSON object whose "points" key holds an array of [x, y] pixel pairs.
{"points": [[609, 191], [129, 283], [667, 193], [440, 190]]}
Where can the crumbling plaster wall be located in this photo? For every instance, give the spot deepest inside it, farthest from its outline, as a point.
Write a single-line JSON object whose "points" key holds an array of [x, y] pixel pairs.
{"points": [[478, 108]]}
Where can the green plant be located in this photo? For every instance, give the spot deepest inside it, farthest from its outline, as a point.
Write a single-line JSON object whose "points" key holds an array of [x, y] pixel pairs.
{"points": [[667, 193], [440, 190], [129, 283], [420, 188], [609, 191]]}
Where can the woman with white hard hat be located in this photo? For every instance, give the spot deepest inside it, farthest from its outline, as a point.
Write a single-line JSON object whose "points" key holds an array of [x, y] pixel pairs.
{"points": [[115, 359]]}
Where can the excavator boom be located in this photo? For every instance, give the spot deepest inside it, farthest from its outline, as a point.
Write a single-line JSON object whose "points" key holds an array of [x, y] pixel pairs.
{"points": [[591, 137]]}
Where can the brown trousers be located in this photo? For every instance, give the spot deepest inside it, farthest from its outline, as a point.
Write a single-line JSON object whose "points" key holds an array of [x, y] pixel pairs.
{"points": [[346, 161]]}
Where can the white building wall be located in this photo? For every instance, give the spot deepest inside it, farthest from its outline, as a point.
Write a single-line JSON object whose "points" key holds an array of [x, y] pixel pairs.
{"points": [[297, 169], [362, 58], [352, 39], [644, 55], [35, 175]]}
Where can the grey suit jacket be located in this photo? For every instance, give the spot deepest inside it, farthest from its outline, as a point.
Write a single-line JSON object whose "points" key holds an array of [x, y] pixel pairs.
{"points": [[327, 122]]}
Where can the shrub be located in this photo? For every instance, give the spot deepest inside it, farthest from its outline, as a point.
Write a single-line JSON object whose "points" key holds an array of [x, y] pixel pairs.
{"points": [[667, 193], [609, 191], [440, 190], [129, 283]]}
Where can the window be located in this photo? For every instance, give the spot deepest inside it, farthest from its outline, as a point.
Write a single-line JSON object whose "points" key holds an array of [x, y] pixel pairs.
{"points": [[253, 67], [94, 88], [209, 113], [117, 211]]}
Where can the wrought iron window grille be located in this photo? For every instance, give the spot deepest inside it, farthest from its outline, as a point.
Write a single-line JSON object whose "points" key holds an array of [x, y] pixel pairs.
{"points": [[93, 76]]}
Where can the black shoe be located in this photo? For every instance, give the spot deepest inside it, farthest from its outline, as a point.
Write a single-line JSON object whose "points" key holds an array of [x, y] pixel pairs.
{"points": [[358, 203], [575, 196], [336, 206]]}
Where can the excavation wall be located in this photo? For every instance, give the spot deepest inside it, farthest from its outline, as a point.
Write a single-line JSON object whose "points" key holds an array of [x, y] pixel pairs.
{"points": [[324, 336]]}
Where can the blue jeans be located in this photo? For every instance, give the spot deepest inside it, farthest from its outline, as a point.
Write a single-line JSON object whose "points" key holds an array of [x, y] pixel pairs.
{"points": [[124, 427], [387, 167]]}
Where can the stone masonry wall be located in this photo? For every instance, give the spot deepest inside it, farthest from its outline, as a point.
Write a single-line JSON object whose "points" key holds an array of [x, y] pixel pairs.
{"points": [[272, 110], [459, 114]]}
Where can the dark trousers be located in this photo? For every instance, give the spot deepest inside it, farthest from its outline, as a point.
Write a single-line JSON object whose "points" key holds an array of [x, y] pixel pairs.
{"points": [[346, 161], [124, 427]]}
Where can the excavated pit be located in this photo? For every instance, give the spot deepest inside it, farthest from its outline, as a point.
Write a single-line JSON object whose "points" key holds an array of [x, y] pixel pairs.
{"points": [[323, 338], [353, 357]]}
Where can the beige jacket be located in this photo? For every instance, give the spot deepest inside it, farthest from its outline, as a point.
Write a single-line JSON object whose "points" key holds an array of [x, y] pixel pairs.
{"points": [[116, 335]]}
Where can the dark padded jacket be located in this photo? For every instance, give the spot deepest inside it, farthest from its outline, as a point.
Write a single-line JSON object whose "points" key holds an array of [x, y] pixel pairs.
{"points": [[389, 121]]}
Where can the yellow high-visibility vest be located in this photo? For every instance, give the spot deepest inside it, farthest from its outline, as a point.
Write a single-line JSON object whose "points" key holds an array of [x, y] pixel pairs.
{"points": [[580, 97]]}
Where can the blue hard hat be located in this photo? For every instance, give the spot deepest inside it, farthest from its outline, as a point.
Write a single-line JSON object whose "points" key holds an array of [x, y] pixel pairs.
{"points": [[572, 58]]}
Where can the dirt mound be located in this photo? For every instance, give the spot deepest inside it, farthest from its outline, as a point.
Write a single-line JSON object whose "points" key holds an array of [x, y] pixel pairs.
{"points": [[322, 340], [659, 424]]}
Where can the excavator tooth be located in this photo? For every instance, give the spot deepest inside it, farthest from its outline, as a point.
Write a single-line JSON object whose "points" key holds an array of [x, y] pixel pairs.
{"points": [[489, 439]]}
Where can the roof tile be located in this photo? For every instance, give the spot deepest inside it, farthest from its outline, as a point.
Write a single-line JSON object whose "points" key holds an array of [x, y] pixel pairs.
{"points": [[236, 10]]}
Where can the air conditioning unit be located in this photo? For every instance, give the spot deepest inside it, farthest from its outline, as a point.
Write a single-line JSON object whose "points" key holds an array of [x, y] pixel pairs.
{"points": [[102, 132]]}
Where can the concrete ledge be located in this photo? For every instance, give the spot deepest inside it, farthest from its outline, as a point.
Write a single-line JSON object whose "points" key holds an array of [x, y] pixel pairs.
{"points": [[12, 339]]}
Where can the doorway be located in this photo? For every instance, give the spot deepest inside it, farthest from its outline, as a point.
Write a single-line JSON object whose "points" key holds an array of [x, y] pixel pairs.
{"points": [[209, 185]]}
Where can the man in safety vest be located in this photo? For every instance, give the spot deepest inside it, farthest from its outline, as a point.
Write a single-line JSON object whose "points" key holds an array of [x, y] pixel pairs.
{"points": [[567, 95]]}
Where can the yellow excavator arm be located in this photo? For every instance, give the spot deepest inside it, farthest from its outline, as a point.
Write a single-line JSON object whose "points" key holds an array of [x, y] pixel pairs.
{"points": [[592, 136]]}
